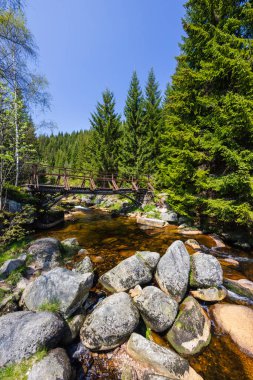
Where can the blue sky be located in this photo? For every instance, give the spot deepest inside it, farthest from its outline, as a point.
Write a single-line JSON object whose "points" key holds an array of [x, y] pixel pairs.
{"points": [[86, 46]]}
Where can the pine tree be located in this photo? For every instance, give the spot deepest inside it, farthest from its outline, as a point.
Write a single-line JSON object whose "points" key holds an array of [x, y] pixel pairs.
{"points": [[132, 128], [105, 124], [151, 127], [208, 146]]}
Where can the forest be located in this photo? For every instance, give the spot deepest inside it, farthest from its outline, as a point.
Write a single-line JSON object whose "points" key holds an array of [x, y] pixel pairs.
{"points": [[196, 140]]}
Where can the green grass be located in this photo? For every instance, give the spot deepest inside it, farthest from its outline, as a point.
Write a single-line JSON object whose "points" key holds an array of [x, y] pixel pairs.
{"points": [[16, 276], [3, 293], [12, 251], [148, 333], [19, 371], [53, 307]]}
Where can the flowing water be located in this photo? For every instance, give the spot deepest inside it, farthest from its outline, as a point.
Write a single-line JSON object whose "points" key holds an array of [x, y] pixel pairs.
{"points": [[111, 240]]}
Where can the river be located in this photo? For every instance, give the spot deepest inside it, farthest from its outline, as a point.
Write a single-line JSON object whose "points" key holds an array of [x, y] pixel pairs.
{"points": [[110, 240]]}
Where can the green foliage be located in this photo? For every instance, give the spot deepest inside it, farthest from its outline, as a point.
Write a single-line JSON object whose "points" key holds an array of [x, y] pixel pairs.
{"points": [[207, 159], [148, 333], [19, 371], [16, 276], [53, 307]]}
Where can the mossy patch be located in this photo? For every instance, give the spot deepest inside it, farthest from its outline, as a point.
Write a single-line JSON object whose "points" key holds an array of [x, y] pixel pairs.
{"points": [[53, 306]]}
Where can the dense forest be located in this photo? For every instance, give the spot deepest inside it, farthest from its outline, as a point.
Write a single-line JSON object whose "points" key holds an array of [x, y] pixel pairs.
{"points": [[196, 140]]}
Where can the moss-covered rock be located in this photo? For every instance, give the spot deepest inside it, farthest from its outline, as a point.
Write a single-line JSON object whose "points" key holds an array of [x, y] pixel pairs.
{"points": [[190, 332], [243, 287], [206, 271]]}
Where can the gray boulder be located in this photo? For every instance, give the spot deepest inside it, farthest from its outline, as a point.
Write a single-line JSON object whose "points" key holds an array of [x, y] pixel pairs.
{"points": [[172, 273], [130, 272], [11, 265], [163, 361], [73, 330], [170, 217], [23, 333], [54, 366], [190, 332], [157, 309], [60, 286], [84, 266], [206, 271], [210, 294], [46, 253], [70, 244], [111, 323]]}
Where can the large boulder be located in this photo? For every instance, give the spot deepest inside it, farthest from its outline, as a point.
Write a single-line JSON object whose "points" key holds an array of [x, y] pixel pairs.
{"points": [[46, 253], [23, 333], [206, 271], [136, 270], [162, 360], [210, 294], [60, 286], [190, 332], [111, 323], [157, 309], [11, 265], [243, 287], [55, 365], [172, 273], [237, 321]]}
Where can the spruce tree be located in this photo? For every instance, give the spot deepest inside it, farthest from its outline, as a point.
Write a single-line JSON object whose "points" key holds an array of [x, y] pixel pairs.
{"points": [[132, 128], [207, 156], [151, 127], [105, 124]]}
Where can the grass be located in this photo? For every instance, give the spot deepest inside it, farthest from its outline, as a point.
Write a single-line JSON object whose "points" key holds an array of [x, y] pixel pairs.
{"points": [[16, 275], [148, 333], [3, 293], [12, 251], [53, 307], [19, 371]]}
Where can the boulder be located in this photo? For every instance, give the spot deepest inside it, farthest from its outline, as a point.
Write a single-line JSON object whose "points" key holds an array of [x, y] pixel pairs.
{"points": [[71, 243], [237, 321], [157, 309], [243, 287], [111, 323], [59, 286], [73, 330], [11, 265], [84, 266], [23, 333], [162, 360], [152, 222], [210, 294], [190, 332], [206, 271], [55, 365], [192, 243], [172, 273], [170, 217], [130, 272], [46, 253]]}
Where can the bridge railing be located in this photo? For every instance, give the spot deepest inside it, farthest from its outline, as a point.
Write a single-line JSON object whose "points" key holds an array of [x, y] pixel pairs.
{"points": [[42, 175]]}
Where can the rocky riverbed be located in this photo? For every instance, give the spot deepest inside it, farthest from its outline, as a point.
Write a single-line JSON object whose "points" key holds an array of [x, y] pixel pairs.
{"points": [[110, 299]]}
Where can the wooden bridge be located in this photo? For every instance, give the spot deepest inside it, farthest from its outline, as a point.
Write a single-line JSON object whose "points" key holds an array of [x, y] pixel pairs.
{"points": [[61, 180]]}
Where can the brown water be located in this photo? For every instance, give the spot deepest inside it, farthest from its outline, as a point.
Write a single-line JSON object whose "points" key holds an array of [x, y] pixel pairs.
{"points": [[110, 240]]}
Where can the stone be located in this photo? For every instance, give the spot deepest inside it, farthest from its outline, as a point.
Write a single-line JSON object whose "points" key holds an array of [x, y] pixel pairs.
{"points": [[23, 333], [190, 332], [70, 243], [111, 323], [13, 206], [163, 361], [210, 294], [59, 286], [243, 287], [55, 365], [46, 253], [74, 327], [132, 271], [218, 241], [84, 266], [129, 373], [152, 222], [206, 271], [237, 321], [170, 217], [172, 273], [11, 265], [192, 243], [157, 309]]}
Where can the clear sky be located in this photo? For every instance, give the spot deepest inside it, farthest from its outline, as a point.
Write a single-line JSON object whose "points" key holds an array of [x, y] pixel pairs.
{"points": [[86, 46]]}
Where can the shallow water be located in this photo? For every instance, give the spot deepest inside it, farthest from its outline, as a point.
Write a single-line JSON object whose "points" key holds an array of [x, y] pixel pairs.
{"points": [[111, 240]]}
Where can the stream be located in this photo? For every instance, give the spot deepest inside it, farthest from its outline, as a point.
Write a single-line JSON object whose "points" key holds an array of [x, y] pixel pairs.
{"points": [[111, 240]]}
